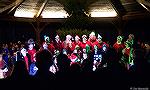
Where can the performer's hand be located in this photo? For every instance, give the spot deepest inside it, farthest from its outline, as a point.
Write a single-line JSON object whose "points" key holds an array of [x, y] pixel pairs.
{"points": [[123, 51]]}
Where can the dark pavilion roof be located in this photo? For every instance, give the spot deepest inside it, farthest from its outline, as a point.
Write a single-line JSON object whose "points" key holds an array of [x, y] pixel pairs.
{"points": [[53, 9]]}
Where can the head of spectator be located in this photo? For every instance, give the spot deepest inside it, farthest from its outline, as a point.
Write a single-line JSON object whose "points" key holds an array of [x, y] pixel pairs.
{"points": [[43, 60], [31, 44], [63, 62]]}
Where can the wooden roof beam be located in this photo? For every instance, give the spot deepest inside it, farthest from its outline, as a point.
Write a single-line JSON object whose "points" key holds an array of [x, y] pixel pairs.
{"points": [[41, 9], [18, 2], [10, 6]]}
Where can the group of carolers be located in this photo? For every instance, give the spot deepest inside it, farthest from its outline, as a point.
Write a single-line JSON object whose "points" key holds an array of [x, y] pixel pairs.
{"points": [[78, 50], [126, 50]]}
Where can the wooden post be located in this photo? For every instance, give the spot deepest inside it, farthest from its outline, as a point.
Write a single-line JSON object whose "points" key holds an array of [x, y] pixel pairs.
{"points": [[38, 30]]}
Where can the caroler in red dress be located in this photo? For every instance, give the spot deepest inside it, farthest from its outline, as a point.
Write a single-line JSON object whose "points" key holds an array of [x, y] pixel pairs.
{"points": [[67, 45], [93, 41], [127, 57], [77, 41], [85, 44], [101, 44], [31, 50], [51, 47], [119, 46], [48, 44], [58, 43]]}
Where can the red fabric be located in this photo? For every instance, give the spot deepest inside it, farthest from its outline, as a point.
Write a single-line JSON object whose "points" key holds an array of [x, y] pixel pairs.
{"points": [[83, 45], [66, 46], [93, 44], [118, 46], [31, 53], [127, 51], [26, 61], [78, 43], [72, 57], [74, 44], [51, 47], [100, 45], [2, 64], [58, 46]]}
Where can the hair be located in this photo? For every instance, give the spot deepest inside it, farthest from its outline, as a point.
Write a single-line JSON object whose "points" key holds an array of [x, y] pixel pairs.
{"points": [[44, 58]]}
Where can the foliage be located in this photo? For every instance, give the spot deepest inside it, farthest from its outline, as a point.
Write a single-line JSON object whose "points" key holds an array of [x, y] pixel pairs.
{"points": [[78, 13], [63, 32], [73, 6], [80, 22]]}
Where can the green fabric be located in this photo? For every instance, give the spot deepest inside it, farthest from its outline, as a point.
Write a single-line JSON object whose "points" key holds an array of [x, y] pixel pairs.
{"points": [[131, 56], [87, 49]]}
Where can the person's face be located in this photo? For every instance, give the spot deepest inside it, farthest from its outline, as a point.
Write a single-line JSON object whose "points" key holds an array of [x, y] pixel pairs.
{"points": [[1, 57], [45, 46], [57, 39], [10, 43], [146, 45], [68, 38], [6, 46], [84, 39], [130, 37], [30, 45], [76, 39], [119, 40], [99, 40], [24, 52], [92, 37]]}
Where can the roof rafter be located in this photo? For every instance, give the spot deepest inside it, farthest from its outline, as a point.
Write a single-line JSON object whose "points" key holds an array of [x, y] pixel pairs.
{"points": [[10, 6], [41, 8], [18, 2]]}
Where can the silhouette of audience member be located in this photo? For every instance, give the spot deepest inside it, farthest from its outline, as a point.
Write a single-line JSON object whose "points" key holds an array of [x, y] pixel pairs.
{"points": [[75, 68], [113, 71], [139, 73], [20, 71], [63, 63], [43, 63], [63, 72], [87, 65]]}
